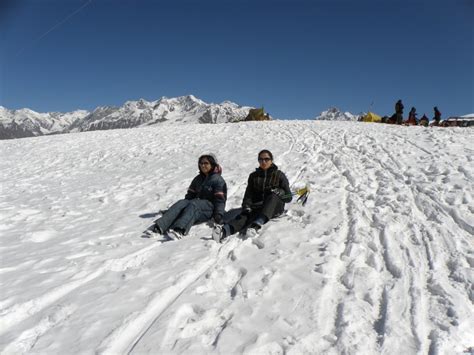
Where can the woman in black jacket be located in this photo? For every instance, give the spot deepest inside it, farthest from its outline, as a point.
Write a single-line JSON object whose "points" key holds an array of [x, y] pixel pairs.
{"points": [[267, 192], [205, 199]]}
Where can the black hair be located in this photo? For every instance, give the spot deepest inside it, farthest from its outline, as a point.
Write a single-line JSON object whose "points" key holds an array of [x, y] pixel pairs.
{"points": [[266, 151], [211, 159]]}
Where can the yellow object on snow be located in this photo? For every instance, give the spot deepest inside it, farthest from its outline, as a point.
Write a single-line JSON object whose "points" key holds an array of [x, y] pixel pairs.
{"points": [[371, 117]]}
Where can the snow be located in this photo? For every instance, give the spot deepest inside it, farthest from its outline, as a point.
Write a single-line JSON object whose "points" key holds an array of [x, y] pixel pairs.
{"points": [[380, 260]]}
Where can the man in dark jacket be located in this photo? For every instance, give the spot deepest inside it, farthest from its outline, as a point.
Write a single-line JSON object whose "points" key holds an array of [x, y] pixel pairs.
{"points": [[437, 116], [399, 111], [267, 192]]}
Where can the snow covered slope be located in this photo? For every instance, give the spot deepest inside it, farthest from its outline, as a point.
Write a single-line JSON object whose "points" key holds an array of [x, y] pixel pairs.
{"points": [[183, 109], [380, 260], [334, 114]]}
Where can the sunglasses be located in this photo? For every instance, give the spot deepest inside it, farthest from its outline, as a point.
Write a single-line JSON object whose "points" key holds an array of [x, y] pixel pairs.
{"points": [[266, 160]]}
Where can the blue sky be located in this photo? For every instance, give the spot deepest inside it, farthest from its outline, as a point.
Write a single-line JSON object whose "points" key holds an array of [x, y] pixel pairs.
{"points": [[296, 58]]}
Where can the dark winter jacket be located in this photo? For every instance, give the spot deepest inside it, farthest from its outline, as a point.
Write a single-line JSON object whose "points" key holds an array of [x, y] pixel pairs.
{"points": [[399, 107], [261, 183], [212, 188]]}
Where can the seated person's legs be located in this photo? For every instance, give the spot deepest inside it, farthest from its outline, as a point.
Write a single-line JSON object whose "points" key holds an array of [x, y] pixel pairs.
{"points": [[272, 206], [196, 211], [164, 222], [233, 226]]}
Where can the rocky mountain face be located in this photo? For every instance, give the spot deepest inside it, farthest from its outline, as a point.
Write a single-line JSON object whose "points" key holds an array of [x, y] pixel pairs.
{"points": [[334, 114], [184, 109], [27, 123]]}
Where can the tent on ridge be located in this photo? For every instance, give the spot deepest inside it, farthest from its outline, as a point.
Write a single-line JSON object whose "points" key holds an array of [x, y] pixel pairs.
{"points": [[257, 114], [371, 117]]}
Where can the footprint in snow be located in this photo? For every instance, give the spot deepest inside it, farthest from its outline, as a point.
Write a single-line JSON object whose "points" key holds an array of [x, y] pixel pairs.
{"points": [[41, 236], [192, 321]]}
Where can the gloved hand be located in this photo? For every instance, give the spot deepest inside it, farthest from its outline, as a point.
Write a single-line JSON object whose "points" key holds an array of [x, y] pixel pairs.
{"points": [[279, 192], [217, 218], [246, 210]]}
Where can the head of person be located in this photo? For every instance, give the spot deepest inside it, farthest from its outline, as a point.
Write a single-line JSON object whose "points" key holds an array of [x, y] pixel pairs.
{"points": [[265, 159], [207, 163]]}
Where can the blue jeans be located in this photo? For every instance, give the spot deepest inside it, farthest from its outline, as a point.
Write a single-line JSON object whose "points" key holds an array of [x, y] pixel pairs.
{"points": [[185, 213]]}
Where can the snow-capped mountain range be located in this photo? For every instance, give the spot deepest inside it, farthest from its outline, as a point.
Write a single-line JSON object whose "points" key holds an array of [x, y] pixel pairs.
{"points": [[334, 114], [28, 123], [183, 109]]}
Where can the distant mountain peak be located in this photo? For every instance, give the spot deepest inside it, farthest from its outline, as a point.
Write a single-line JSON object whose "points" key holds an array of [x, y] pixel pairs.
{"points": [[334, 114]]}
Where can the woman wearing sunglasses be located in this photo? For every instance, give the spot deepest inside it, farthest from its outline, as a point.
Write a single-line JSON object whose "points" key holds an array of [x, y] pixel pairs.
{"points": [[267, 192], [205, 199]]}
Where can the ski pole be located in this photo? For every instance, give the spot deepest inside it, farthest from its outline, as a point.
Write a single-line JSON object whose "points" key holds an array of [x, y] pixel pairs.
{"points": [[303, 194]]}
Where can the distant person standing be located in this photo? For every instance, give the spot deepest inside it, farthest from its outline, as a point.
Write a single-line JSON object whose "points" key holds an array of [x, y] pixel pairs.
{"points": [[437, 116], [399, 111]]}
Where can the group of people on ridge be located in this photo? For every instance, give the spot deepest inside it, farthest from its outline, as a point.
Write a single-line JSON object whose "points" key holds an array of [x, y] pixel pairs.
{"points": [[265, 196], [397, 117]]}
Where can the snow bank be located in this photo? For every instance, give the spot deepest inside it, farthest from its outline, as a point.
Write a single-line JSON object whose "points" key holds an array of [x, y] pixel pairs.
{"points": [[380, 260]]}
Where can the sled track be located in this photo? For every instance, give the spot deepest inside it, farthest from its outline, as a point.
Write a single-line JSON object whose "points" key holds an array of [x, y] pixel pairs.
{"points": [[334, 270], [20, 312], [127, 337], [407, 277]]}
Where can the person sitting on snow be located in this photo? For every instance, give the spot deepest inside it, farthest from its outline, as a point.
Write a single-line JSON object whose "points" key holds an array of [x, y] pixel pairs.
{"points": [[424, 121], [412, 121], [267, 192], [205, 199]]}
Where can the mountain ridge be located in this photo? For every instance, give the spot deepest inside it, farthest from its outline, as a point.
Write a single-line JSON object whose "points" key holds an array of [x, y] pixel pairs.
{"points": [[183, 109], [25, 122]]}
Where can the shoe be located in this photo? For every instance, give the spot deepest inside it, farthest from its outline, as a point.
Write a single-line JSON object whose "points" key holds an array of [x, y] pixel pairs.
{"points": [[255, 225], [219, 233], [157, 229], [258, 223], [251, 232], [175, 234], [152, 231]]}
